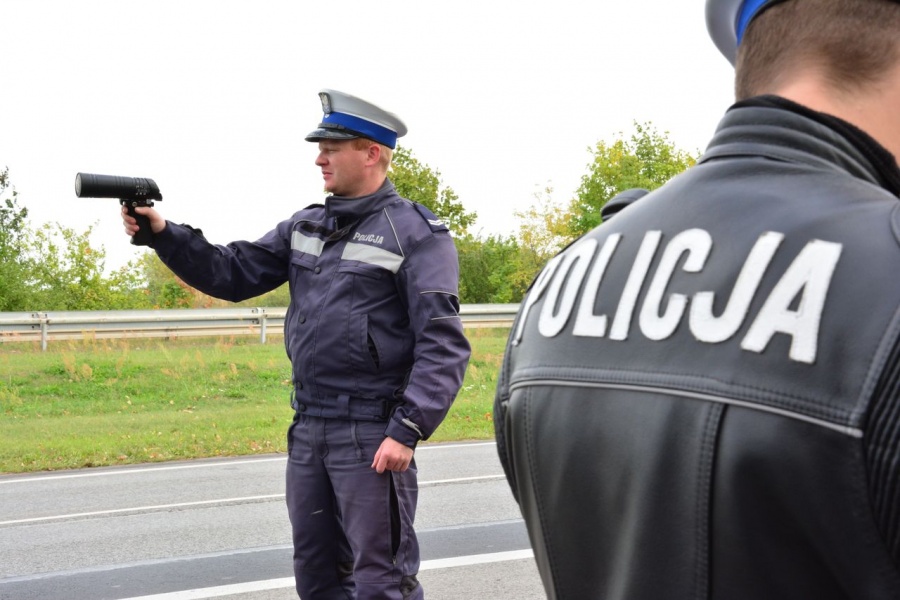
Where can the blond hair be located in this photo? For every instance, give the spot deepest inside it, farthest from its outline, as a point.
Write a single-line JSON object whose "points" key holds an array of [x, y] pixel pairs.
{"points": [[386, 153]]}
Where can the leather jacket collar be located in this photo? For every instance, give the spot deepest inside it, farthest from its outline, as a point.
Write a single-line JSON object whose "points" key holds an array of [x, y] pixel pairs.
{"points": [[811, 137]]}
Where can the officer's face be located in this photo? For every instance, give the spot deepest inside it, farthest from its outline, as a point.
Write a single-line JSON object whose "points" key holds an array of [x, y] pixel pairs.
{"points": [[342, 166]]}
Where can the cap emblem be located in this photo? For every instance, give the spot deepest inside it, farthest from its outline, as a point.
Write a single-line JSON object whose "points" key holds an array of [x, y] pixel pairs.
{"points": [[326, 102]]}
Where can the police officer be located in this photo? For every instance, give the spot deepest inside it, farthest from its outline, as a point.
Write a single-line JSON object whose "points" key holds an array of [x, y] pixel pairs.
{"points": [[376, 347], [701, 397]]}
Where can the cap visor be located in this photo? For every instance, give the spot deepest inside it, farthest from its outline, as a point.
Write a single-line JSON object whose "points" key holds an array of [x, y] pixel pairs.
{"points": [[330, 134]]}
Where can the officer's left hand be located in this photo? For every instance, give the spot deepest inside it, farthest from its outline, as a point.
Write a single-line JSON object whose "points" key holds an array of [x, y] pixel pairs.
{"points": [[392, 456]]}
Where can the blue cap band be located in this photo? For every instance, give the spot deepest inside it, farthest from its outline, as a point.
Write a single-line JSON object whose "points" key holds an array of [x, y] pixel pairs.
{"points": [[364, 128], [745, 15]]}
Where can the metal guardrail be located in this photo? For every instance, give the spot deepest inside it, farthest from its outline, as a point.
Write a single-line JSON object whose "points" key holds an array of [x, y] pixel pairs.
{"points": [[173, 323]]}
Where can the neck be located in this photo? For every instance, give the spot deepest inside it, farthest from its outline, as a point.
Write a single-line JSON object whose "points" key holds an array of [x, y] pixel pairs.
{"points": [[874, 109], [372, 186], [365, 188]]}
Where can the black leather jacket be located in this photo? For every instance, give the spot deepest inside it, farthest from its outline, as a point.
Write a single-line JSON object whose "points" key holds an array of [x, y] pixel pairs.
{"points": [[701, 398]]}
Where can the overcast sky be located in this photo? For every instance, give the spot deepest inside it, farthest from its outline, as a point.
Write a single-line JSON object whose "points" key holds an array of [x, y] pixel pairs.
{"points": [[212, 99]]}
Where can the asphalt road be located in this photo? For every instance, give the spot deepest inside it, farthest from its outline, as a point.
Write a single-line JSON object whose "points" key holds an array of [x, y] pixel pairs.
{"points": [[219, 529]]}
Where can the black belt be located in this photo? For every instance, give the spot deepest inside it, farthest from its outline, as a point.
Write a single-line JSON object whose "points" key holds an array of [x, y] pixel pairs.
{"points": [[344, 406]]}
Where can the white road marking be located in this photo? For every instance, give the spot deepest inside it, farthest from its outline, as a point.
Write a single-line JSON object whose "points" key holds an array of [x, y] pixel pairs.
{"points": [[139, 469], [136, 470], [460, 480], [222, 501], [288, 582], [138, 509]]}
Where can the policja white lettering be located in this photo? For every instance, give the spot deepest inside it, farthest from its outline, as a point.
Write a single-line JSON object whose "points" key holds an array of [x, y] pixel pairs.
{"points": [[806, 280], [368, 237], [633, 286], [810, 273], [586, 322], [711, 329], [576, 260]]}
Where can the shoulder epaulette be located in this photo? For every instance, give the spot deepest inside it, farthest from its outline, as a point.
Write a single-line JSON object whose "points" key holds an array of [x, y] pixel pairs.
{"points": [[433, 222]]}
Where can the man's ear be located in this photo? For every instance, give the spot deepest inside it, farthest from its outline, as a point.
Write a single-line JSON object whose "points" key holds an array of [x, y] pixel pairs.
{"points": [[373, 155]]}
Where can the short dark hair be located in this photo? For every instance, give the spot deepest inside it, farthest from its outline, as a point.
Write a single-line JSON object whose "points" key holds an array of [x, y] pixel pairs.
{"points": [[853, 43]]}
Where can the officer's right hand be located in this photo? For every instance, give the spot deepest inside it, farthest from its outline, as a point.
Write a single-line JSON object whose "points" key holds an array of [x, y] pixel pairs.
{"points": [[157, 223], [392, 456]]}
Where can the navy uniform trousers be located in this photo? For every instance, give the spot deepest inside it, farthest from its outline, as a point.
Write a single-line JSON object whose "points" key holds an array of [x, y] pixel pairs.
{"points": [[353, 528]]}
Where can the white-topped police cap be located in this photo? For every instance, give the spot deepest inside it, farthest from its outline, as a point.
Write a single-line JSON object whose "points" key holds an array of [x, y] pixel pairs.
{"points": [[727, 20], [347, 117]]}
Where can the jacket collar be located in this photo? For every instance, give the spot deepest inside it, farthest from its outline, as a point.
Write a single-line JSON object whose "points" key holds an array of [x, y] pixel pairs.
{"points": [[339, 206], [777, 128]]}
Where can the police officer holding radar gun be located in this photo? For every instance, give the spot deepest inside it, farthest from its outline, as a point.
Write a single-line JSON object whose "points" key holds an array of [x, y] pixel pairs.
{"points": [[376, 347], [701, 397]]}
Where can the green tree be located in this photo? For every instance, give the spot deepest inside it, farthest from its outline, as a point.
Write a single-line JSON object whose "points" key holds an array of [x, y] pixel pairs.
{"points": [[69, 274], [494, 270], [484, 268], [420, 183], [15, 264], [646, 160], [163, 289], [545, 227]]}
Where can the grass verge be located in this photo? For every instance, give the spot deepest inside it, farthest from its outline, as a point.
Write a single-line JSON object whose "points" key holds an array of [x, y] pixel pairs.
{"points": [[112, 402]]}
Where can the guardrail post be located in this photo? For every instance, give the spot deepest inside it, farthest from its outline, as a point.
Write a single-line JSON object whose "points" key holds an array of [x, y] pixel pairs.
{"points": [[262, 326], [44, 326]]}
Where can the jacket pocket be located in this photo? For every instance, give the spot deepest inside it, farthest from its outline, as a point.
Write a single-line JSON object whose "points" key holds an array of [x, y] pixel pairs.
{"points": [[369, 271], [363, 349], [301, 266]]}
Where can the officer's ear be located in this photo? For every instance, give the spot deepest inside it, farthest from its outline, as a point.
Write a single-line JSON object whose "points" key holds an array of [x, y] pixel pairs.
{"points": [[373, 154]]}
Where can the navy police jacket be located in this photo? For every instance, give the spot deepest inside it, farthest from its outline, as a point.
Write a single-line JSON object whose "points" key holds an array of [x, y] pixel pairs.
{"points": [[373, 329], [701, 398]]}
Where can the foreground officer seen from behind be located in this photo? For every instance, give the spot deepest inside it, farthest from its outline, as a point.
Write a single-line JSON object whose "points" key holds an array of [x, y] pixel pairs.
{"points": [[376, 347], [701, 397]]}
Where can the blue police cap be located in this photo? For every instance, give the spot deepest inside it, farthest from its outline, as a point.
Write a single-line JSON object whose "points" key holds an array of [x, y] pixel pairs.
{"points": [[727, 20], [348, 117]]}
